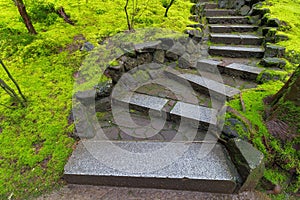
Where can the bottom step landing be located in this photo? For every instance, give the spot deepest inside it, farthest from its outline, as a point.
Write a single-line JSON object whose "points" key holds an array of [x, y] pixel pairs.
{"points": [[163, 165]]}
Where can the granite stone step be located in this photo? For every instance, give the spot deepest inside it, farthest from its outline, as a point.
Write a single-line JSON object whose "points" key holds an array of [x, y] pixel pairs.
{"points": [[218, 12], [194, 113], [197, 115], [210, 87], [228, 28], [164, 165], [236, 51], [228, 20], [140, 102], [234, 69], [239, 39]]}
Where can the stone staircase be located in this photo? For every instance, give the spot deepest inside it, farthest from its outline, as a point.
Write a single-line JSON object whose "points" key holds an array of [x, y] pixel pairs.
{"points": [[160, 124], [226, 26]]}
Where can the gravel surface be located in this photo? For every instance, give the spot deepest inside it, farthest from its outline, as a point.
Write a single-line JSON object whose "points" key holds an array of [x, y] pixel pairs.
{"points": [[88, 192]]}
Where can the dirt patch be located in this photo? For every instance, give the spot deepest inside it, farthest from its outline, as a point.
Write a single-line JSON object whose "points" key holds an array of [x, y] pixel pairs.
{"points": [[88, 192]]}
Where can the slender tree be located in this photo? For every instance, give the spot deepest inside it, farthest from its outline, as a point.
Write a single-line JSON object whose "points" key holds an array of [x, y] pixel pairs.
{"points": [[130, 28], [22, 10], [168, 7]]}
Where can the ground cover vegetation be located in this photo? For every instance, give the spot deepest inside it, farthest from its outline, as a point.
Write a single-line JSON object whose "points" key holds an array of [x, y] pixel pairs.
{"points": [[35, 140], [274, 117]]}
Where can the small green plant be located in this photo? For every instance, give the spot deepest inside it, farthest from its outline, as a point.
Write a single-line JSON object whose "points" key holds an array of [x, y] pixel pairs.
{"points": [[43, 12]]}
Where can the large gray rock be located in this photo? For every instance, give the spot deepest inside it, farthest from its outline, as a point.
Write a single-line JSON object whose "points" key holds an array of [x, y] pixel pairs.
{"points": [[273, 62], [244, 10], [159, 56], [274, 51], [248, 161], [147, 46], [184, 61], [195, 34], [176, 51], [144, 58]]}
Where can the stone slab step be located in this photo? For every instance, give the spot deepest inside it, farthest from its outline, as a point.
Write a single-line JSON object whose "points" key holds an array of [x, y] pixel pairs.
{"points": [[201, 116], [228, 28], [228, 20], [213, 88], [236, 51], [218, 12], [211, 6], [152, 165], [195, 113], [142, 101], [243, 39], [234, 69]]}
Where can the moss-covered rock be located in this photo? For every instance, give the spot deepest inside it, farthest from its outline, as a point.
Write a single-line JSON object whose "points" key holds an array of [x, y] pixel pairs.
{"points": [[273, 62]]}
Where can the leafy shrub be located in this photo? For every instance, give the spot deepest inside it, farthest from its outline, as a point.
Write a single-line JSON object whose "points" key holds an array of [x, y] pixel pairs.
{"points": [[164, 3], [43, 12]]}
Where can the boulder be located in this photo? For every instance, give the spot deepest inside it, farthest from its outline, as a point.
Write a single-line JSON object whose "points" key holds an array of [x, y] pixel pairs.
{"points": [[274, 51], [248, 161], [273, 62], [184, 61], [244, 10]]}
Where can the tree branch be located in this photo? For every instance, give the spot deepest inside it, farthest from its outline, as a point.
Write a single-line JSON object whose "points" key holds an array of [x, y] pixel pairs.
{"points": [[13, 80]]}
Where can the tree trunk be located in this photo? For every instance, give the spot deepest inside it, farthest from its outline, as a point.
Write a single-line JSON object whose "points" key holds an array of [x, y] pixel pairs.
{"points": [[169, 6], [62, 13], [25, 16], [282, 118], [290, 91], [127, 16]]}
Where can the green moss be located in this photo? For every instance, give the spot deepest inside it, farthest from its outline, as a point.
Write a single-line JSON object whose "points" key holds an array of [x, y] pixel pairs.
{"points": [[114, 63], [34, 141], [271, 75], [275, 151], [279, 9]]}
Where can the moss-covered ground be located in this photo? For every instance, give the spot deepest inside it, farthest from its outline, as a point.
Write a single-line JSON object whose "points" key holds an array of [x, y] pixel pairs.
{"points": [[282, 158], [34, 141]]}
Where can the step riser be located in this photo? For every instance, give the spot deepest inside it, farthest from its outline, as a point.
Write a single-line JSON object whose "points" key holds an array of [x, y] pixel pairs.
{"points": [[175, 184], [203, 89], [217, 67], [228, 20], [194, 18], [213, 13], [235, 54], [237, 41], [211, 6], [232, 29]]}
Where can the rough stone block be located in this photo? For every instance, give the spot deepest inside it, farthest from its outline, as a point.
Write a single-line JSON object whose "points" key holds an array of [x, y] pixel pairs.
{"points": [[176, 51], [208, 65], [248, 161], [274, 51], [273, 62], [147, 46], [159, 56], [184, 61]]}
